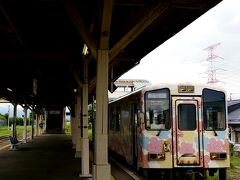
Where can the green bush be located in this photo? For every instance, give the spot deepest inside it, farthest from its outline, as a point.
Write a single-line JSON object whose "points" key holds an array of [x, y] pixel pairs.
{"points": [[68, 128], [231, 148], [19, 121]]}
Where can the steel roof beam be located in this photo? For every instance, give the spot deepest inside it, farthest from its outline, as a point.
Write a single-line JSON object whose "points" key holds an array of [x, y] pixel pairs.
{"points": [[138, 29], [81, 27]]}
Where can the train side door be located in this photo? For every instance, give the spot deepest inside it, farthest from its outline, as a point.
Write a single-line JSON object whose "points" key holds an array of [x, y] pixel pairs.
{"points": [[187, 132], [134, 114]]}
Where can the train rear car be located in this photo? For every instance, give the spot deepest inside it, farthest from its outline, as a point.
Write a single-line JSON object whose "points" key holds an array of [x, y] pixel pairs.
{"points": [[177, 130]]}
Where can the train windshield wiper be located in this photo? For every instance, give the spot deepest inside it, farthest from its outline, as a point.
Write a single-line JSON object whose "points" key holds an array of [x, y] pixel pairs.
{"points": [[158, 132]]}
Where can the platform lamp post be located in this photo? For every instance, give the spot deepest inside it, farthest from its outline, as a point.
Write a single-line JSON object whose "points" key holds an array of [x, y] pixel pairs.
{"points": [[14, 130], [29, 120], [24, 123], [8, 116]]}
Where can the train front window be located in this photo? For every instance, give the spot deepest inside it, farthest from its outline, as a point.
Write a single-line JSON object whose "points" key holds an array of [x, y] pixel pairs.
{"points": [[157, 109], [187, 117], [214, 110]]}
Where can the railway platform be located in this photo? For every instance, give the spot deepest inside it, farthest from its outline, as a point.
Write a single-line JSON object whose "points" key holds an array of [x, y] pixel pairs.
{"points": [[46, 157]]}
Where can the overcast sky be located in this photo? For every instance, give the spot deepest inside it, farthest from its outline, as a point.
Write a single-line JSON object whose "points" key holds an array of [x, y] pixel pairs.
{"points": [[183, 58], [8, 108]]}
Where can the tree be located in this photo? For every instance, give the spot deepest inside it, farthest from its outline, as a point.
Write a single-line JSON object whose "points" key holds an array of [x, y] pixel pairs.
{"points": [[2, 117], [6, 116]]}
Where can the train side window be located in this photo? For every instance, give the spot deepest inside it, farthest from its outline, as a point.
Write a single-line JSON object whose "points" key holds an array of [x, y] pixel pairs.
{"points": [[134, 113], [157, 109], [187, 117], [214, 110], [118, 118]]}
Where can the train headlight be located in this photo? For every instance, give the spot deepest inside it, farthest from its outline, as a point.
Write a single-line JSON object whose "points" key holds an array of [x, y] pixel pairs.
{"points": [[156, 156], [218, 156]]}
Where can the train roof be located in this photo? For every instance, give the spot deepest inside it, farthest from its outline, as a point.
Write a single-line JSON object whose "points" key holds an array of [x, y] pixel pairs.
{"points": [[126, 95], [173, 88]]}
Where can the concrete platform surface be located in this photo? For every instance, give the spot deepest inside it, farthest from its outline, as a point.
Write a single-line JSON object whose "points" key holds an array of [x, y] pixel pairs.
{"points": [[47, 157]]}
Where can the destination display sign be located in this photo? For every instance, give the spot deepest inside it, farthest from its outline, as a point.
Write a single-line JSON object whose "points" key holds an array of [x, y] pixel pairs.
{"points": [[185, 89]]}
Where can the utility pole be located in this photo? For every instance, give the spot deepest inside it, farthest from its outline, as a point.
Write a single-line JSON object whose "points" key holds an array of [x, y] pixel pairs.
{"points": [[212, 71]]}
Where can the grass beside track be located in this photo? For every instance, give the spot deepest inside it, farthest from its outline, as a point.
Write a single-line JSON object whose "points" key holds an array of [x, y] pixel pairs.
{"points": [[232, 171], [5, 131]]}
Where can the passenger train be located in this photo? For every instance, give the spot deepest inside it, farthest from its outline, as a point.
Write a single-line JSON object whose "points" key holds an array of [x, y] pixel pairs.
{"points": [[173, 131]]}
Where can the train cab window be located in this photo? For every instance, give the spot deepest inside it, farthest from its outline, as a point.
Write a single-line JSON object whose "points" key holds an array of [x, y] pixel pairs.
{"points": [[157, 109], [187, 117], [214, 110]]}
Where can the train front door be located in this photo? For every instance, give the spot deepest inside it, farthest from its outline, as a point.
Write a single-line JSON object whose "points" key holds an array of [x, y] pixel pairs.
{"points": [[187, 132]]}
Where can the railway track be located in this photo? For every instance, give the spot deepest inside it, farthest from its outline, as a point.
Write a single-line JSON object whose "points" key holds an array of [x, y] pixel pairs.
{"points": [[121, 170], [4, 141]]}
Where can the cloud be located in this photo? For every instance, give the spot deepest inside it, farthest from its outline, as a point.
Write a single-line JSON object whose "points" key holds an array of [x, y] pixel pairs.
{"points": [[181, 58]]}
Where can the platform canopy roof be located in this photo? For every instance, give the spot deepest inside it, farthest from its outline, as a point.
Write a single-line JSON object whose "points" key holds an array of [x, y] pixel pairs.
{"points": [[41, 41]]}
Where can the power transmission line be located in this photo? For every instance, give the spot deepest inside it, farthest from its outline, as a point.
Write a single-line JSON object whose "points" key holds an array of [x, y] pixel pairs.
{"points": [[212, 71]]}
